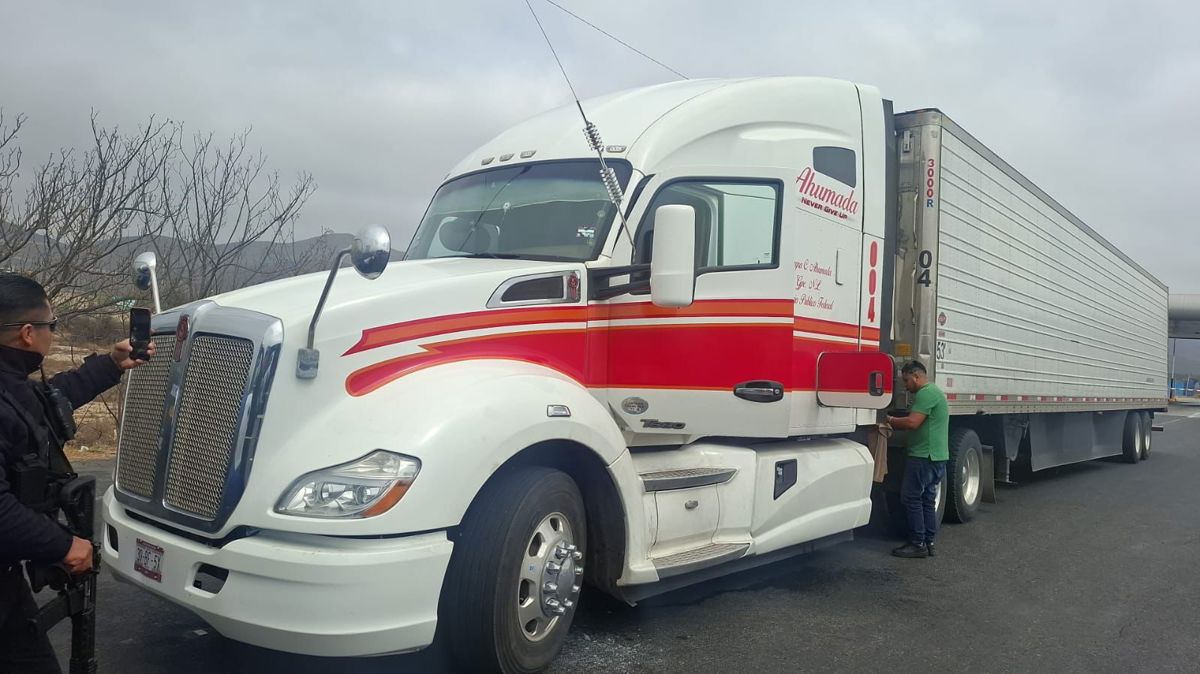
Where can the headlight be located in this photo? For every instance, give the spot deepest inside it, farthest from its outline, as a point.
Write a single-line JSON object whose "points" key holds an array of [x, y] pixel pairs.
{"points": [[363, 488]]}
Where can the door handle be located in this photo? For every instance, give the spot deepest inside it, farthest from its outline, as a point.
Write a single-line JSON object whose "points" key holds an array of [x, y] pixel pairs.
{"points": [[759, 391], [875, 383]]}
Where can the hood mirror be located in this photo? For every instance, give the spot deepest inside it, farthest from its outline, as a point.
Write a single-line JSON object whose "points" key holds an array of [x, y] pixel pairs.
{"points": [[371, 250], [144, 276]]}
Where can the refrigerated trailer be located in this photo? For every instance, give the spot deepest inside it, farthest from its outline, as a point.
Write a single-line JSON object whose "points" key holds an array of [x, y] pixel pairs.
{"points": [[1050, 343], [638, 370]]}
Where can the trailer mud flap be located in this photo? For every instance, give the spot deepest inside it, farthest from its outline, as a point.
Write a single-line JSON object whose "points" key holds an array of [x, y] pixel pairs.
{"points": [[987, 475]]}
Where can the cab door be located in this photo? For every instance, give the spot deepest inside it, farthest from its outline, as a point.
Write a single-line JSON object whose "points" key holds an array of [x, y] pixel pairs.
{"points": [[723, 365]]}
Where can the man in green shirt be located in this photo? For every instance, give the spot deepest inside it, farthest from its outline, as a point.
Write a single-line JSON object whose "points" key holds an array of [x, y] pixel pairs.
{"points": [[928, 426]]}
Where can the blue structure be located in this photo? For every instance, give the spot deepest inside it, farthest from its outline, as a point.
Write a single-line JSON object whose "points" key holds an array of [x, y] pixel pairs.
{"points": [[1184, 388]]}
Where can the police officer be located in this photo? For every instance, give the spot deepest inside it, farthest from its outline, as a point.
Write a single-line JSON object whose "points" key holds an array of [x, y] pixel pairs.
{"points": [[32, 430]]}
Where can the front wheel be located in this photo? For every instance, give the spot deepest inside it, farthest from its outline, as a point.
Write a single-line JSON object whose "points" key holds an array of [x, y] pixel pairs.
{"points": [[515, 576]]}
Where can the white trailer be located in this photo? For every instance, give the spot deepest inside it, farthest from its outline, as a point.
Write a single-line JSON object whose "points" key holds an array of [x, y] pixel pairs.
{"points": [[1039, 330], [640, 391]]}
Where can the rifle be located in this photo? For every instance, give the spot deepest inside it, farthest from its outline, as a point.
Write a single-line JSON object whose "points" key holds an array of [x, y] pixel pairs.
{"points": [[76, 594]]}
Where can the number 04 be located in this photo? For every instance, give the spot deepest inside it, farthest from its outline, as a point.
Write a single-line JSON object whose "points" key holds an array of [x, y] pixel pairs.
{"points": [[924, 262]]}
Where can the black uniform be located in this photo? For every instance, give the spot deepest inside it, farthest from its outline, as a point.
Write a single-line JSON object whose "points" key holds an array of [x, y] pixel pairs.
{"points": [[28, 438]]}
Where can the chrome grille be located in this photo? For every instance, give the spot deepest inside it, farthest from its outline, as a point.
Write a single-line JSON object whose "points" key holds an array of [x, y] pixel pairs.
{"points": [[141, 425], [206, 427]]}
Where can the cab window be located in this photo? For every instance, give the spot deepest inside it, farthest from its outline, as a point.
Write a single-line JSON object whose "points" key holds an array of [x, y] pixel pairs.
{"points": [[737, 222]]}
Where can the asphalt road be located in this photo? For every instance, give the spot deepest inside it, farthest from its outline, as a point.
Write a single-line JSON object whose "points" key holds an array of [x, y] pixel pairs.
{"points": [[1089, 568]]}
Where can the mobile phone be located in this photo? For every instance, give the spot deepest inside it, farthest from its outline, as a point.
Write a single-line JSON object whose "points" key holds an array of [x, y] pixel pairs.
{"points": [[139, 333]]}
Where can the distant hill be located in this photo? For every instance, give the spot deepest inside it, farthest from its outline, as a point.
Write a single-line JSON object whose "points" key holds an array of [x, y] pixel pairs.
{"points": [[256, 263], [320, 248]]}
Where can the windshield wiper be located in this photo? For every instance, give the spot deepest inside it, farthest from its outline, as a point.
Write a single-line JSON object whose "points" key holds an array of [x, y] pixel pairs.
{"points": [[491, 256], [515, 256]]}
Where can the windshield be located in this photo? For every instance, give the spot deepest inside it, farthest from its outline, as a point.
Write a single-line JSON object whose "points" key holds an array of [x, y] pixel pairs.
{"points": [[549, 211]]}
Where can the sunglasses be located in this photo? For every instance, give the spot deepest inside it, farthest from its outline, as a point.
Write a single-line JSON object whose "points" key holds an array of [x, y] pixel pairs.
{"points": [[52, 324]]}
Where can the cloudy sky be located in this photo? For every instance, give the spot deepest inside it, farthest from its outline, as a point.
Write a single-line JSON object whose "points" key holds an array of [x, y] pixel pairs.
{"points": [[1096, 102]]}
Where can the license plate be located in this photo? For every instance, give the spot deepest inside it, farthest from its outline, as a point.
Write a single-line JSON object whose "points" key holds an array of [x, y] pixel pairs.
{"points": [[148, 560]]}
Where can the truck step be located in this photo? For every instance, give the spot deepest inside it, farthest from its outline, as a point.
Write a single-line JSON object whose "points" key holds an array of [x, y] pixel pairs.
{"points": [[698, 558], [686, 478]]}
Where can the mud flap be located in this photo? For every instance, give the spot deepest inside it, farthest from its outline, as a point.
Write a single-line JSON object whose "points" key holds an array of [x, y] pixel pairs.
{"points": [[987, 475]]}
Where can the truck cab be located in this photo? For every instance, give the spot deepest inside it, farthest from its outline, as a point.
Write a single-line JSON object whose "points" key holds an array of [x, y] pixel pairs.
{"points": [[553, 387]]}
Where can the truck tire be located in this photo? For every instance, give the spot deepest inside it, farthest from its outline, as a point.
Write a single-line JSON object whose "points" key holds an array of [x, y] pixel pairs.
{"points": [[943, 492], [964, 475], [514, 578], [1131, 440], [1147, 434]]}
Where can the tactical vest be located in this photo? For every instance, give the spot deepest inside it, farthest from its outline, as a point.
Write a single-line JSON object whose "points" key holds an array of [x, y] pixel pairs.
{"points": [[41, 468]]}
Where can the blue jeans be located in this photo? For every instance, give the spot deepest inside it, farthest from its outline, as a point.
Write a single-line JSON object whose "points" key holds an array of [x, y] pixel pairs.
{"points": [[919, 496]]}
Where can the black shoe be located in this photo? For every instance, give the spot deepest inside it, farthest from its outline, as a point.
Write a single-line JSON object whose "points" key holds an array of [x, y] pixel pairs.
{"points": [[910, 551], [929, 548]]}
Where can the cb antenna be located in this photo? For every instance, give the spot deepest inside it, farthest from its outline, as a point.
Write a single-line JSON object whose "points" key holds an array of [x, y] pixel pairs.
{"points": [[607, 175]]}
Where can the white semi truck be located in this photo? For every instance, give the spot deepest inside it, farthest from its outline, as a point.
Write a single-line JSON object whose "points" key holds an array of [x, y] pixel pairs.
{"points": [[634, 389]]}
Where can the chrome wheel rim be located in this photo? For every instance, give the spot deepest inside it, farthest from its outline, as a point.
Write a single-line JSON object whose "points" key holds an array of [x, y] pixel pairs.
{"points": [[550, 579], [970, 477]]}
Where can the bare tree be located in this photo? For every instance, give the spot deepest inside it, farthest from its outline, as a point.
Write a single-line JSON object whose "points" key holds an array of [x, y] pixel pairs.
{"points": [[12, 237], [81, 211], [231, 223], [217, 217]]}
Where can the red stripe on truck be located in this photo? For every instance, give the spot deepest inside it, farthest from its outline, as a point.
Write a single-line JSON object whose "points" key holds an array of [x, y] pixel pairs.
{"points": [[384, 335], [685, 356], [395, 333]]}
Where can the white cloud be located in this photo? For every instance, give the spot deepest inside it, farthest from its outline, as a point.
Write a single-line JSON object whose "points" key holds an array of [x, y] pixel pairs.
{"points": [[1093, 101]]}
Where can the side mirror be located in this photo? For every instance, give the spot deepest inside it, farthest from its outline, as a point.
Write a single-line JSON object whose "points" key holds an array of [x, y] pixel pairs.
{"points": [[144, 276], [673, 267], [143, 268], [371, 250]]}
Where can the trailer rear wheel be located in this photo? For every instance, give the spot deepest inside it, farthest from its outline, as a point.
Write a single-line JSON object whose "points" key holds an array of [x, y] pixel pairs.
{"points": [[1147, 434], [941, 499], [515, 575], [1131, 441], [964, 474]]}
